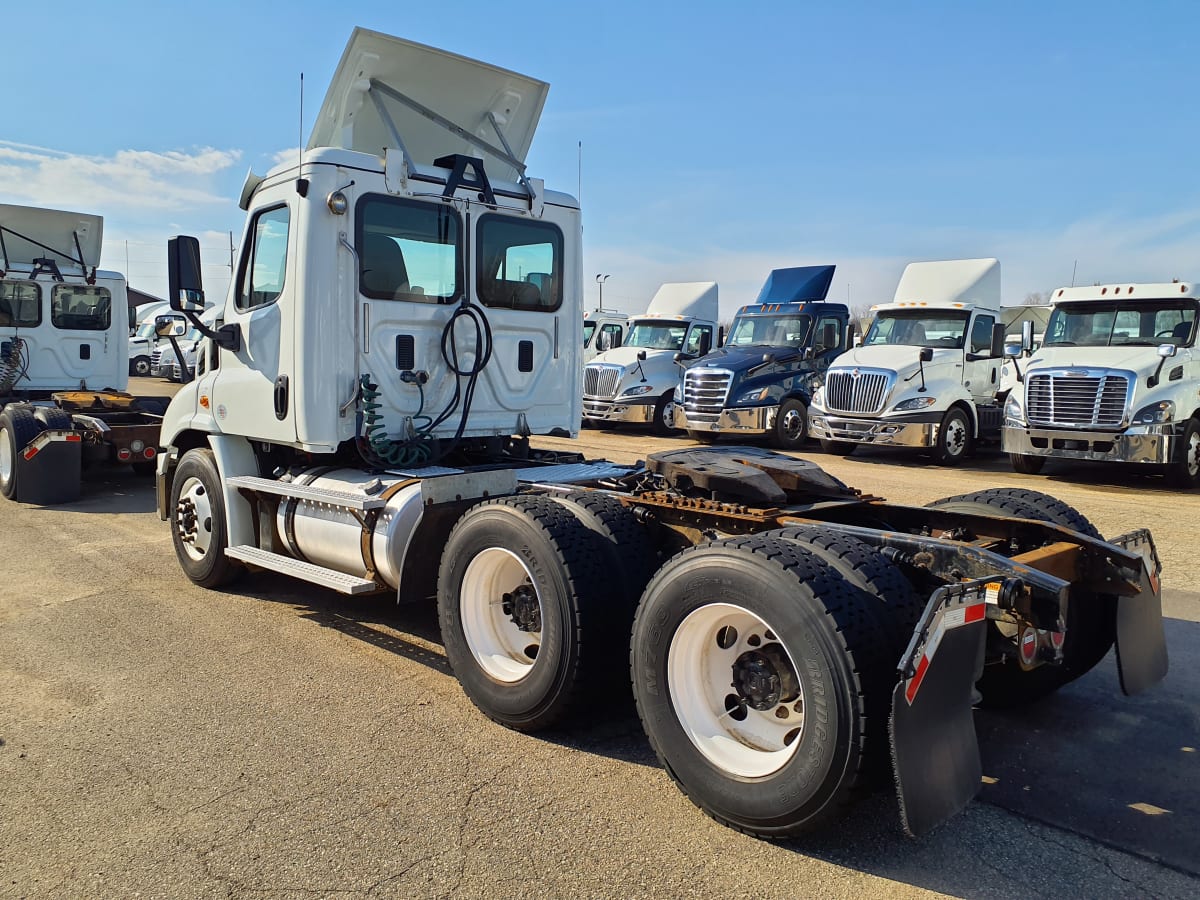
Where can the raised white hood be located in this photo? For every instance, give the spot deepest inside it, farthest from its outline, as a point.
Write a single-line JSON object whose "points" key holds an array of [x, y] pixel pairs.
{"points": [[54, 228], [459, 89]]}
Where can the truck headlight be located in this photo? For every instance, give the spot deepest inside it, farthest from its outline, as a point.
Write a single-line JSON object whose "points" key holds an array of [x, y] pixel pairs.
{"points": [[1012, 409], [915, 403], [638, 390], [818, 397], [678, 395], [754, 395], [1155, 413]]}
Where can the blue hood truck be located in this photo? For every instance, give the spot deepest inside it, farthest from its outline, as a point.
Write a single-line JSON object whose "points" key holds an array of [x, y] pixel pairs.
{"points": [[760, 383]]}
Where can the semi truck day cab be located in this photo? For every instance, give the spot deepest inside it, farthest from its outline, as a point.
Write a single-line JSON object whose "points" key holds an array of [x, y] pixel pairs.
{"points": [[1117, 379], [636, 382], [64, 359], [927, 372], [402, 325], [603, 329], [760, 382]]}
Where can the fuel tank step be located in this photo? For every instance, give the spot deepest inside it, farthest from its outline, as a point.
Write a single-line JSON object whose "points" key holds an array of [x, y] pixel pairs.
{"points": [[276, 562], [341, 499]]}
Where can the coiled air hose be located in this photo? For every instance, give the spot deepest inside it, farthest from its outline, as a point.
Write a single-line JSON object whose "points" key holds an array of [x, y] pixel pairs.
{"points": [[13, 366]]}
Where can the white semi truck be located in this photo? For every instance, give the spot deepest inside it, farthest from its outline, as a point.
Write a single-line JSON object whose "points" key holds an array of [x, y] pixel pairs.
{"points": [[636, 382], [603, 329], [928, 370], [1117, 379], [64, 362], [366, 421]]}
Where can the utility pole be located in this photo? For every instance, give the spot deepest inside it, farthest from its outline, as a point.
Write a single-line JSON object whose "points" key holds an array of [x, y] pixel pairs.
{"points": [[600, 279]]}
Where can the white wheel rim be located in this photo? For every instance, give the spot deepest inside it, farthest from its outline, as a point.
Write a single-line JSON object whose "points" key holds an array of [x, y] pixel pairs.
{"points": [[193, 518], [1191, 454], [495, 580], [793, 424], [956, 436], [743, 741], [668, 414], [6, 456]]}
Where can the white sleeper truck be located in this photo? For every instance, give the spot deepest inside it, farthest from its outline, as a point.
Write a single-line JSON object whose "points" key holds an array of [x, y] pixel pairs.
{"points": [[1117, 379], [603, 329], [64, 359], [636, 382], [401, 327], [928, 370]]}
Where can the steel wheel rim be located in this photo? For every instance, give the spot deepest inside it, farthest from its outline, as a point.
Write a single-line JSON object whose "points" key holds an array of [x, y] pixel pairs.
{"points": [[6, 456], [793, 425], [1191, 456], [668, 414], [194, 519], [141, 367], [702, 666], [956, 436], [502, 649]]}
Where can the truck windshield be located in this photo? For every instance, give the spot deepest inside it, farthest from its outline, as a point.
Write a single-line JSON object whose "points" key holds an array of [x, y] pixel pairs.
{"points": [[938, 328], [657, 335], [1144, 323], [769, 331]]}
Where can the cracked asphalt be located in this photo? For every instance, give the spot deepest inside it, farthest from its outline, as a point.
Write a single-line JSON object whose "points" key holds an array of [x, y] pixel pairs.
{"points": [[161, 740]]}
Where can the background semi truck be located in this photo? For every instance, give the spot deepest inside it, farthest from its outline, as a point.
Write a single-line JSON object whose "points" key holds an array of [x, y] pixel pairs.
{"points": [[366, 422], [928, 370], [760, 382], [636, 382], [64, 361], [603, 329], [1117, 379]]}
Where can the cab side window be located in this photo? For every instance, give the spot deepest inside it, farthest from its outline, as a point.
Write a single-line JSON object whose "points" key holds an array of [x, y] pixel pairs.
{"points": [[77, 307], [828, 338], [260, 281], [613, 333], [699, 341], [981, 334], [20, 304]]}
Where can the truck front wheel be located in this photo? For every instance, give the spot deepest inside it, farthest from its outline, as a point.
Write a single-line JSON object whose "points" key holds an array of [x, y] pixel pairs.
{"points": [[953, 443], [762, 681], [664, 412], [1026, 465], [522, 590], [198, 521], [791, 425], [1185, 471]]}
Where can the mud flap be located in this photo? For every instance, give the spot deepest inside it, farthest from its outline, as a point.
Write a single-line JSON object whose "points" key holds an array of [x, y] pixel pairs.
{"points": [[935, 753], [49, 468], [1141, 641]]}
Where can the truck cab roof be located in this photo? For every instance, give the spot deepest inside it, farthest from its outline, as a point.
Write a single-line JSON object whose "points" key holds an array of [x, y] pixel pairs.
{"points": [[1128, 292]]}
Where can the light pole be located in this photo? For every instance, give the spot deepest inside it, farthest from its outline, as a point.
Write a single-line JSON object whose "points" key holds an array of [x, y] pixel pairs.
{"points": [[600, 279]]}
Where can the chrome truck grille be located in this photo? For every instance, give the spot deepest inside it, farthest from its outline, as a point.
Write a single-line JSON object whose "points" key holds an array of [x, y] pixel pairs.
{"points": [[601, 380], [705, 391], [1086, 399], [857, 390]]}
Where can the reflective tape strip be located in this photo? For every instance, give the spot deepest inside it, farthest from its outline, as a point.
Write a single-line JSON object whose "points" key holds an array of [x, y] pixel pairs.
{"points": [[40, 442], [953, 618]]}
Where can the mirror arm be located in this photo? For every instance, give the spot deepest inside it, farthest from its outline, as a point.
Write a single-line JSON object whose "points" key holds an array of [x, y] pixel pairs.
{"points": [[228, 337], [1153, 379]]}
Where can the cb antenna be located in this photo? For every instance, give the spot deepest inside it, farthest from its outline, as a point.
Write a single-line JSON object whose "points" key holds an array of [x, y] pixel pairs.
{"points": [[301, 183]]}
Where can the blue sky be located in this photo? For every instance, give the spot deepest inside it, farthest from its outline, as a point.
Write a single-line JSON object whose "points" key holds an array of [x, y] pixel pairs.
{"points": [[719, 140]]}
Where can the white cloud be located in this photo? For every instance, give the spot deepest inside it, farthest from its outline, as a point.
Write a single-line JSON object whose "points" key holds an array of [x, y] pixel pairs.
{"points": [[129, 180]]}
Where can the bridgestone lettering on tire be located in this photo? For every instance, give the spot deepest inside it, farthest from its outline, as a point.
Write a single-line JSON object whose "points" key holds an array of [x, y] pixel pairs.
{"points": [[198, 521], [524, 603], [762, 679], [1091, 618]]}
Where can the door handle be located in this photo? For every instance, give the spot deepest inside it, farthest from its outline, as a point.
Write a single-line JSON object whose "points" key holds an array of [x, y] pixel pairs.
{"points": [[281, 397]]}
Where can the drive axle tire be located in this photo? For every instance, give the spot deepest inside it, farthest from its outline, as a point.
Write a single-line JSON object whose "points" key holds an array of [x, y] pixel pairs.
{"points": [[18, 427], [763, 682], [525, 610], [663, 414], [954, 439], [791, 425], [1025, 464], [139, 366], [198, 521], [1184, 472], [1091, 618]]}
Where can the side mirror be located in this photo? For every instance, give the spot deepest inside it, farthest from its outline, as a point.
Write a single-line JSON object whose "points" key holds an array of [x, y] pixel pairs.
{"points": [[603, 341], [185, 284], [808, 353], [768, 358], [1166, 351], [926, 354], [169, 326], [1012, 350], [641, 356], [1027, 336], [997, 340], [829, 337], [851, 336], [680, 357]]}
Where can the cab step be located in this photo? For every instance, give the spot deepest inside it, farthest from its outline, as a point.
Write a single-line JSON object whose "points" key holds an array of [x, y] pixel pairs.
{"points": [[340, 499], [305, 571]]}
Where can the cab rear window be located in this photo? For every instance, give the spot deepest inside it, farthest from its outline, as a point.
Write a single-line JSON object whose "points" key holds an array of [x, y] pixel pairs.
{"points": [[20, 304]]}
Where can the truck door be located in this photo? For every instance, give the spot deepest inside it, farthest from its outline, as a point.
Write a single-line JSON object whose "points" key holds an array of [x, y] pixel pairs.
{"points": [[981, 371], [827, 341], [252, 393]]}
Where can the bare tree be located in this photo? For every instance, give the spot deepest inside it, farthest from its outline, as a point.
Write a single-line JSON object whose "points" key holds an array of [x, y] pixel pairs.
{"points": [[862, 317]]}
